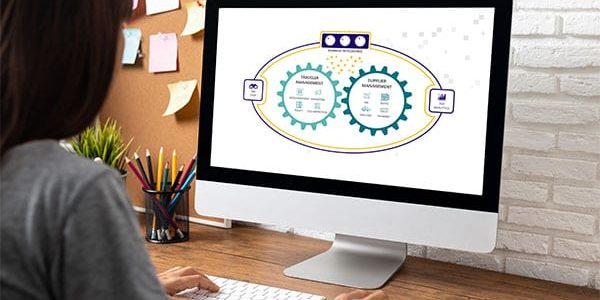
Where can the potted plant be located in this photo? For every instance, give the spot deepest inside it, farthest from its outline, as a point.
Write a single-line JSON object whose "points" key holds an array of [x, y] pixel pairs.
{"points": [[103, 142]]}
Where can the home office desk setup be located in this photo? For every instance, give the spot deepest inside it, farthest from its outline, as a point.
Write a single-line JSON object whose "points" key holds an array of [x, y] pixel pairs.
{"points": [[260, 256], [379, 121]]}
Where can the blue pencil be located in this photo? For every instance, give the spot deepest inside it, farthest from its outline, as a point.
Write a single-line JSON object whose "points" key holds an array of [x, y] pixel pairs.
{"points": [[179, 195]]}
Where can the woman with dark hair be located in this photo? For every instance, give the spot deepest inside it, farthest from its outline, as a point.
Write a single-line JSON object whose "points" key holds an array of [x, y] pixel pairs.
{"points": [[67, 227], [68, 231]]}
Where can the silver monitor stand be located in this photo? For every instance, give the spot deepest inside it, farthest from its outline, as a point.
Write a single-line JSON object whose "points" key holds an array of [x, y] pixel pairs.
{"points": [[353, 261]]}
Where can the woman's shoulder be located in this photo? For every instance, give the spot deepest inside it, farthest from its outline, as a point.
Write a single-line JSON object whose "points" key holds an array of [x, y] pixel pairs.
{"points": [[47, 168], [47, 156]]}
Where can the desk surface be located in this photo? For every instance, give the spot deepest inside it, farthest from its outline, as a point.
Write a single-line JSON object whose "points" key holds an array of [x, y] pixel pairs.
{"points": [[260, 256]]}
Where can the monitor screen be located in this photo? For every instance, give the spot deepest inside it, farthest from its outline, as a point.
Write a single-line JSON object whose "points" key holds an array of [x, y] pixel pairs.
{"points": [[394, 97]]}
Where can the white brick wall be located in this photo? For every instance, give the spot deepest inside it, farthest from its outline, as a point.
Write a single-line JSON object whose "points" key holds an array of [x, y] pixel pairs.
{"points": [[552, 219], [549, 220], [580, 85], [581, 23], [548, 271], [570, 141], [523, 242]]}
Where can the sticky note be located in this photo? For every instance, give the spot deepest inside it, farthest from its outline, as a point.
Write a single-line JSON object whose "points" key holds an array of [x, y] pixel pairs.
{"points": [[159, 6], [135, 4], [163, 52], [180, 95], [132, 38], [195, 18]]}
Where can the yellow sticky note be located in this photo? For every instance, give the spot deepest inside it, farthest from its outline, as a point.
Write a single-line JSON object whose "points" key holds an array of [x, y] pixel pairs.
{"points": [[195, 20], [181, 93]]}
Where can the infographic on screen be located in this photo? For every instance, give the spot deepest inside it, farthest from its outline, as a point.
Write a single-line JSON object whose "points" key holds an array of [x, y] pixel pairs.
{"points": [[347, 93]]}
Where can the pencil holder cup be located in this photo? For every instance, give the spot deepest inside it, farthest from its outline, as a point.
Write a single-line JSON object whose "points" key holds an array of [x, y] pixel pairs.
{"points": [[167, 216]]}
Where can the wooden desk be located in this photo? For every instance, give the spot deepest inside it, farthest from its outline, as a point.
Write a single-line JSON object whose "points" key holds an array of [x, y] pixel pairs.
{"points": [[260, 256]]}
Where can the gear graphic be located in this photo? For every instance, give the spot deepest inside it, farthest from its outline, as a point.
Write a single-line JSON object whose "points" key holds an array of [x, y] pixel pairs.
{"points": [[394, 124], [288, 113]]}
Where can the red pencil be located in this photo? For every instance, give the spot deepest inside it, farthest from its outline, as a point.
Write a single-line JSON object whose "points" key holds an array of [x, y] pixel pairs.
{"points": [[187, 172], [137, 173]]}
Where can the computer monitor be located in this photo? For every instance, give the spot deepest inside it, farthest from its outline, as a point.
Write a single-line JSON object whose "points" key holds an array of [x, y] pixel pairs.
{"points": [[380, 121]]}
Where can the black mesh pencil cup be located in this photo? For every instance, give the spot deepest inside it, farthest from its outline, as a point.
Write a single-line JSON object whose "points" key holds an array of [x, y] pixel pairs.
{"points": [[167, 216]]}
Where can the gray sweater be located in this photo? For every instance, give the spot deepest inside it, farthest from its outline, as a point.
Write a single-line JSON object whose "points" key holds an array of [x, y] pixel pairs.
{"points": [[68, 230]]}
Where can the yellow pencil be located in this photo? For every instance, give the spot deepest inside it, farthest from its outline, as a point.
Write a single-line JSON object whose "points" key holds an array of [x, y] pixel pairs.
{"points": [[174, 164], [159, 174]]}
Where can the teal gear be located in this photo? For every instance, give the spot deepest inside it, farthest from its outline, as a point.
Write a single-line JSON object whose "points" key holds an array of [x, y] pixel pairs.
{"points": [[394, 124], [331, 113]]}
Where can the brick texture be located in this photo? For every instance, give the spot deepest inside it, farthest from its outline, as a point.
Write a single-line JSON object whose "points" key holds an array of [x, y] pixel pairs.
{"points": [[576, 249], [529, 139], [577, 196], [554, 167], [524, 190], [548, 271], [589, 143], [581, 23], [552, 219], [534, 24], [558, 4], [541, 111], [530, 82], [580, 85], [523, 242]]}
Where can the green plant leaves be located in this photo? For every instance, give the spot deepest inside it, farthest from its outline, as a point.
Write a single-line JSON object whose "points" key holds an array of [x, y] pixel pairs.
{"points": [[103, 141]]}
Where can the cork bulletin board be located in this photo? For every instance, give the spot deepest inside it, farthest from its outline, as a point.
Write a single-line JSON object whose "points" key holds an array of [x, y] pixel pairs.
{"points": [[137, 100]]}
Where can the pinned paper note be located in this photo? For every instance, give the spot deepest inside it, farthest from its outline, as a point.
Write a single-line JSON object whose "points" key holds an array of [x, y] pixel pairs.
{"points": [[181, 93], [195, 18], [132, 38], [163, 52], [135, 4], [158, 6]]}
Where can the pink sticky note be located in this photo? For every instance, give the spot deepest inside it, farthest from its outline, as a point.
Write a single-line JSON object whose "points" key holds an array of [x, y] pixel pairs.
{"points": [[163, 52]]}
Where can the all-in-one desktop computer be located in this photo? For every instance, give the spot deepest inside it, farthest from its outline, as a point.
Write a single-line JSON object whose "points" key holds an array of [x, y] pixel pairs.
{"points": [[380, 121]]}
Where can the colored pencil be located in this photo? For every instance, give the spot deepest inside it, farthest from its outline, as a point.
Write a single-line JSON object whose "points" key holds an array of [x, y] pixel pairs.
{"points": [[149, 165], [151, 183], [165, 178], [141, 167], [163, 198], [137, 173], [159, 166], [178, 196], [174, 164], [156, 203], [174, 184], [191, 165]]}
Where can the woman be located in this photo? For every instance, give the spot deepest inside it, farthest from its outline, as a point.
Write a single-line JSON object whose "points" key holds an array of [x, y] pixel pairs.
{"points": [[67, 227]]}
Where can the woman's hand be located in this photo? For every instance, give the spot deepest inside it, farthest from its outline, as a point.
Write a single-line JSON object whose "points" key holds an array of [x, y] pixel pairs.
{"points": [[363, 295], [178, 279]]}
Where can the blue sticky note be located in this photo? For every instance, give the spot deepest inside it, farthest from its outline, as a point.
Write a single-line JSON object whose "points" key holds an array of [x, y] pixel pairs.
{"points": [[132, 38]]}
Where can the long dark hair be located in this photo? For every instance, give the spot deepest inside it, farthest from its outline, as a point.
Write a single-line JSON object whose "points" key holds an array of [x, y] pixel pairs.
{"points": [[57, 61]]}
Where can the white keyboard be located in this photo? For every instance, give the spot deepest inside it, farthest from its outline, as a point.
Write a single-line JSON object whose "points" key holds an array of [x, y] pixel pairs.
{"points": [[240, 290]]}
